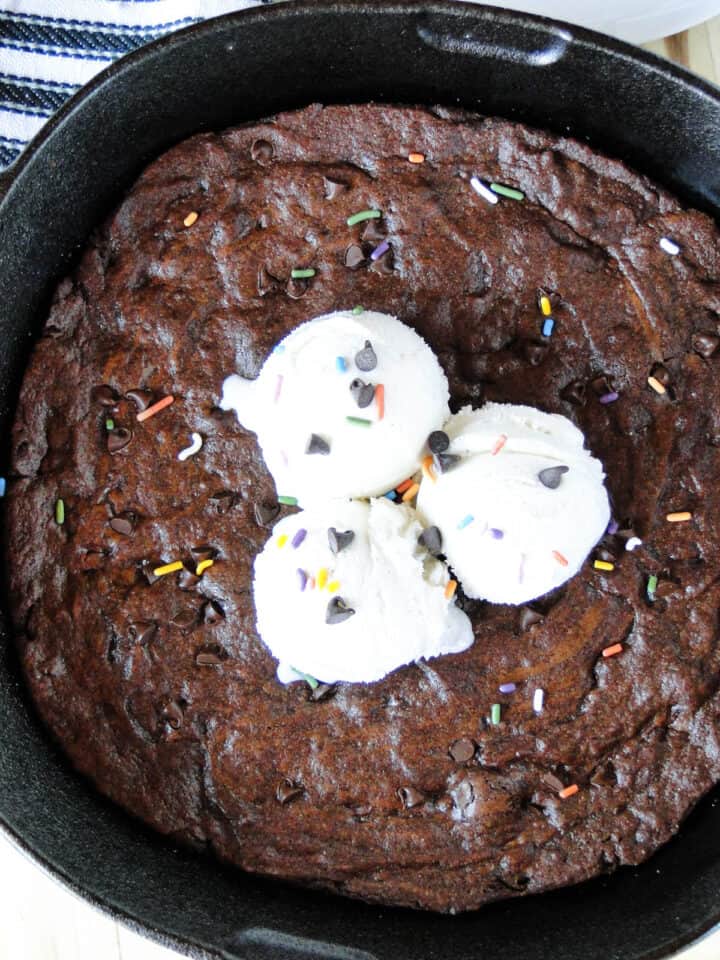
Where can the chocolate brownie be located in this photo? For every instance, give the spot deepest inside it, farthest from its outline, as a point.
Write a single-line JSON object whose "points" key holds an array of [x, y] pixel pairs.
{"points": [[413, 790]]}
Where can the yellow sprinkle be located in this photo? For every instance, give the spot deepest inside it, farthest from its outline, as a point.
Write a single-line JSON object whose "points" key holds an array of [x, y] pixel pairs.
{"points": [[680, 517], [322, 578], [168, 568], [656, 385], [203, 565], [334, 586], [545, 306], [411, 492], [450, 589], [190, 219], [603, 565], [282, 539]]}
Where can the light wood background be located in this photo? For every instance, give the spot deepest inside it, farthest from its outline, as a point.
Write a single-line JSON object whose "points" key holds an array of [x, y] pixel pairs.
{"points": [[40, 920]]}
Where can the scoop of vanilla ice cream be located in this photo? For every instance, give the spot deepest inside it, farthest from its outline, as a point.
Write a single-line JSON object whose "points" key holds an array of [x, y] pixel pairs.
{"points": [[342, 406], [364, 557], [513, 525]]}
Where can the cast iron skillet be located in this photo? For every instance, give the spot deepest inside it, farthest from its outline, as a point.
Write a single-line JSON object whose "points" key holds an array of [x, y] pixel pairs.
{"points": [[661, 119]]}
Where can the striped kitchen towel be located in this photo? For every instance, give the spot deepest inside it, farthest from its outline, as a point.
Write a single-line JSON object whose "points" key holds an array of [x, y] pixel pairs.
{"points": [[50, 48]]}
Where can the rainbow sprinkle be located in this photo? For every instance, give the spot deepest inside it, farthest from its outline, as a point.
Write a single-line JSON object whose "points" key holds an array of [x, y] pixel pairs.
{"points": [[380, 250], [302, 578], [288, 501], [167, 568], [357, 310], [466, 521], [669, 246], [510, 192], [651, 587], [569, 791], [656, 385], [322, 578], [548, 326], [495, 714], [613, 650], [538, 700], [302, 274], [411, 492], [190, 219], [479, 187], [341, 364], [363, 215], [60, 512], [500, 443], [507, 688], [560, 558], [202, 566], [109, 424], [359, 421], [3, 485], [450, 589], [609, 397], [680, 517], [282, 540], [545, 306], [298, 538], [155, 408], [416, 157], [603, 565], [333, 586], [380, 400]]}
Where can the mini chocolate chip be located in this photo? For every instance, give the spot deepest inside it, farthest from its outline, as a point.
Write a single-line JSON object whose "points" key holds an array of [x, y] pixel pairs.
{"points": [[333, 188], [187, 579], [316, 444], [354, 256], [555, 783], [147, 568], [372, 232], [172, 714], [362, 393], [385, 264], [462, 750], [607, 555], [706, 344], [551, 477], [574, 392], [443, 462], [296, 288], [184, 620], [366, 359], [534, 352], [224, 417], [339, 540], [438, 441], [323, 691], [122, 524], [266, 282], [223, 500], [203, 552], [287, 791], [208, 658], [431, 539], [262, 152], [410, 797], [212, 612], [143, 631], [141, 398], [529, 617], [602, 385], [661, 374], [105, 395], [265, 513], [118, 439], [337, 611]]}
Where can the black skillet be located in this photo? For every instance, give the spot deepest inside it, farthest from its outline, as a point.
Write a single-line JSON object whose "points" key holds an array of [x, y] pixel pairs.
{"points": [[659, 118]]}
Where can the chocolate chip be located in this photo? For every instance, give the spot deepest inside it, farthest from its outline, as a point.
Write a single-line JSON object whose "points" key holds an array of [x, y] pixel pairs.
{"points": [[141, 398], [208, 658], [105, 395], [143, 631], [118, 439], [443, 462], [354, 256], [287, 791], [438, 441], [384, 264], [333, 188], [372, 232], [431, 539], [212, 612], [706, 344], [529, 617], [262, 152], [534, 352], [171, 713], [316, 444], [337, 611], [184, 620], [555, 783], [296, 288], [574, 392], [551, 477], [187, 579], [602, 385], [410, 797], [122, 524], [462, 750], [265, 513], [362, 393], [323, 691], [366, 359], [266, 282], [339, 540], [223, 500]]}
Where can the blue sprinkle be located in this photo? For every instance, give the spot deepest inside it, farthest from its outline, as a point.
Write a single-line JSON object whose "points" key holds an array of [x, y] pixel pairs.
{"points": [[465, 522], [340, 364], [280, 348], [547, 327], [390, 495], [2, 486]]}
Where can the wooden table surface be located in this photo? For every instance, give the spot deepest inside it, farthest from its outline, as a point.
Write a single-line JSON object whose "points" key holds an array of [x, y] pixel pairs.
{"points": [[40, 920]]}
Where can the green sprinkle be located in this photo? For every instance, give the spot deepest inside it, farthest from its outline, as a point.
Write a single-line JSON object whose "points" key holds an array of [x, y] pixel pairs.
{"points": [[652, 586], [359, 421], [363, 215], [60, 512], [495, 714], [507, 191], [358, 310], [302, 274], [288, 501], [109, 424], [310, 681]]}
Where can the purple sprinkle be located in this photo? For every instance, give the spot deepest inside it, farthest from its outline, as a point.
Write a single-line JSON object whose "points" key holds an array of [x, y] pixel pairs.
{"points": [[302, 578], [496, 534], [609, 397], [613, 527], [521, 571], [379, 250], [298, 538], [507, 687]]}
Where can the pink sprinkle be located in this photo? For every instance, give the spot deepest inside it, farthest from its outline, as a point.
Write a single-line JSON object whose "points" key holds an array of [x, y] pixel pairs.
{"points": [[507, 687], [278, 387], [502, 440], [538, 700], [609, 397], [379, 250]]}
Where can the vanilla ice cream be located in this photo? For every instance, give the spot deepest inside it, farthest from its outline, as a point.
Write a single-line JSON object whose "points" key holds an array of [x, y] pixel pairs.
{"points": [[345, 591], [342, 406], [518, 501]]}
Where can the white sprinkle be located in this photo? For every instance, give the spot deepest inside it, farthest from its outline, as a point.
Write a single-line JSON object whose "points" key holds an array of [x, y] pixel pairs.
{"points": [[197, 442], [538, 700], [485, 192], [632, 543], [669, 246]]}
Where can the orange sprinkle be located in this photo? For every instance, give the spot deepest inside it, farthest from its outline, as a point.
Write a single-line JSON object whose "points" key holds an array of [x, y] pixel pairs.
{"points": [[405, 485], [190, 219], [427, 469], [657, 385], [502, 440], [450, 589], [680, 517], [311, 583], [560, 558], [613, 650], [410, 492], [155, 408], [416, 157], [380, 400], [569, 791]]}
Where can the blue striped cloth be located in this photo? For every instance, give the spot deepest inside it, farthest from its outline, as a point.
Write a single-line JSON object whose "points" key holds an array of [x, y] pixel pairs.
{"points": [[50, 48]]}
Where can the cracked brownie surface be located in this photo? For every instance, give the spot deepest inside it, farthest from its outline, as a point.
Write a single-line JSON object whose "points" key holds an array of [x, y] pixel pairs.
{"points": [[159, 689]]}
